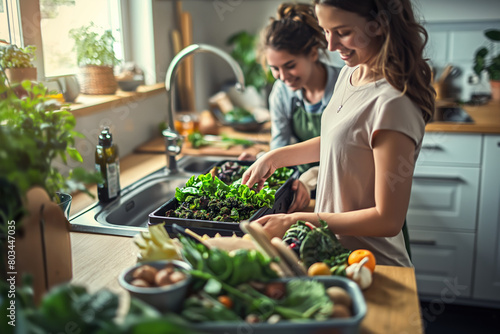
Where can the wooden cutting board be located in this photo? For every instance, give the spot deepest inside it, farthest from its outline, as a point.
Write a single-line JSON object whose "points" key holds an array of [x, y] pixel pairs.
{"points": [[158, 146]]}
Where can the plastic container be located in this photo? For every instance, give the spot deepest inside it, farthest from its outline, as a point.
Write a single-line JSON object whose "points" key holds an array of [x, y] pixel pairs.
{"points": [[349, 325], [283, 200]]}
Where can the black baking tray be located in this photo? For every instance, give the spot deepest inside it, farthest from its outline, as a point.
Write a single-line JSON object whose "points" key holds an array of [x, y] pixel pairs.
{"points": [[282, 201]]}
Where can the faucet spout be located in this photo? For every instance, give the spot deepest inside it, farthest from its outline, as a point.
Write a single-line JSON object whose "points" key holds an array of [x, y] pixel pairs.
{"points": [[170, 83]]}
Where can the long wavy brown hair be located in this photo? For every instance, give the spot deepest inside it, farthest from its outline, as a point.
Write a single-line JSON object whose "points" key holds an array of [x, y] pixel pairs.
{"points": [[400, 60], [294, 30]]}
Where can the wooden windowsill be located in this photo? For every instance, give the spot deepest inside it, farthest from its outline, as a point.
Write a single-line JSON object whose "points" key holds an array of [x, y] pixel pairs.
{"points": [[90, 104]]}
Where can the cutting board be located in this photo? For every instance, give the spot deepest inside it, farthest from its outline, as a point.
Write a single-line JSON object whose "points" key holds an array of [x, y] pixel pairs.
{"points": [[158, 146]]}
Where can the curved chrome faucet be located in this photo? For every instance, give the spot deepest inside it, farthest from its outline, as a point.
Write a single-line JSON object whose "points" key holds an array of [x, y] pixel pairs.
{"points": [[172, 138]]}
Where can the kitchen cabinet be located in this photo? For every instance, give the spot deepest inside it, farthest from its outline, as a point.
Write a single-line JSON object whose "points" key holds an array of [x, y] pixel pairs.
{"points": [[442, 212], [487, 262]]}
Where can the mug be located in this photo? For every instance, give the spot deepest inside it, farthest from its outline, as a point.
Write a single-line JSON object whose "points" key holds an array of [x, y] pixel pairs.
{"points": [[69, 87]]}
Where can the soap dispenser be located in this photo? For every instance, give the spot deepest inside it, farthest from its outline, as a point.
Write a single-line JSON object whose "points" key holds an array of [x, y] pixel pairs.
{"points": [[108, 164]]}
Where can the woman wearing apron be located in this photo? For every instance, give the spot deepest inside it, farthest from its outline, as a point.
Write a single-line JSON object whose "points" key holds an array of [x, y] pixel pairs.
{"points": [[291, 45]]}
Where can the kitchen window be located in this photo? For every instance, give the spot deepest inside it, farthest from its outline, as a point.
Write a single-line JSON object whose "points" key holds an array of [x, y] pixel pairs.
{"points": [[57, 18]]}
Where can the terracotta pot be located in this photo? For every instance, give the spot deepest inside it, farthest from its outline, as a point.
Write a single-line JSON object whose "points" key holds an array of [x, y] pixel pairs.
{"points": [[21, 74], [495, 90], [97, 80]]}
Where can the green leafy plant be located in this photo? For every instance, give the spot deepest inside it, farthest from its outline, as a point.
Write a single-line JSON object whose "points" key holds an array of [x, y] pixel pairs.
{"points": [[92, 46], [489, 64], [244, 52], [34, 131], [11, 56], [71, 309]]}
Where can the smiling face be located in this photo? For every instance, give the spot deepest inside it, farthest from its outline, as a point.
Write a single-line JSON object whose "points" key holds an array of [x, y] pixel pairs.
{"points": [[295, 71], [355, 38]]}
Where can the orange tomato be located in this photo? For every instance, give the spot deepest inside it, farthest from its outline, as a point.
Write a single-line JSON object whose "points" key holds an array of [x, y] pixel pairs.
{"points": [[318, 268], [226, 301], [359, 254]]}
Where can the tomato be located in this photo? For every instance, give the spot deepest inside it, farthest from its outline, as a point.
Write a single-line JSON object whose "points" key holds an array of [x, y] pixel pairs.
{"points": [[318, 268], [359, 254], [226, 301]]}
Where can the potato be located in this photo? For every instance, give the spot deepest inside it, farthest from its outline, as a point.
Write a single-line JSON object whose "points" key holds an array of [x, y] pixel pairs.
{"points": [[338, 295], [163, 277], [140, 283], [177, 276], [341, 311], [146, 273]]}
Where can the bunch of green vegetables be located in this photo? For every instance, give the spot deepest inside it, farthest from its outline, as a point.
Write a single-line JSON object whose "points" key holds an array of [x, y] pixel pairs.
{"points": [[198, 140], [239, 115], [218, 273], [206, 197], [69, 308], [317, 244], [233, 268]]}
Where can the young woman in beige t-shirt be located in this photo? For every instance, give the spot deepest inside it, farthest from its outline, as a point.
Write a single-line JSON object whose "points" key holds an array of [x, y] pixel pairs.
{"points": [[371, 131]]}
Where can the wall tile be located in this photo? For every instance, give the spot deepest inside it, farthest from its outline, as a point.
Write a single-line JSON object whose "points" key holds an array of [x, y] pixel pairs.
{"points": [[463, 44], [437, 46]]}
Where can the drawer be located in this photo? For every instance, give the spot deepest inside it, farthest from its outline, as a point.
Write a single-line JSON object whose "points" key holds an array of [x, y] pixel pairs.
{"points": [[450, 148], [444, 197], [443, 263]]}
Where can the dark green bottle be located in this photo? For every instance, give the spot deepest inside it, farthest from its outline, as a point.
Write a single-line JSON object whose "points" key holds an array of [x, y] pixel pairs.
{"points": [[108, 164]]}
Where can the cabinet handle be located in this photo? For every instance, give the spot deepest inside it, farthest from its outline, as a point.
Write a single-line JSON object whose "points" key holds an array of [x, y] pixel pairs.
{"points": [[439, 177], [432, 147], [423, 242]]}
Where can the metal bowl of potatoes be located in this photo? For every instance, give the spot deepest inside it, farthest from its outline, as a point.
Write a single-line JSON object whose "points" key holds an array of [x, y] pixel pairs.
{"points": [[162, 284]]}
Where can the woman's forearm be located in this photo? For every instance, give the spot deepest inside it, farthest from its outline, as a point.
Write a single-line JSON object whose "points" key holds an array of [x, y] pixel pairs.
{"points": [[296, 154], [366, 222]]}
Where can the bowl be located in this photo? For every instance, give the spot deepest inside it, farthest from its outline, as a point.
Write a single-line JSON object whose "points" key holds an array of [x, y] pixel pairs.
{"points": [[129, 85], [167, 298], [245, 126]]}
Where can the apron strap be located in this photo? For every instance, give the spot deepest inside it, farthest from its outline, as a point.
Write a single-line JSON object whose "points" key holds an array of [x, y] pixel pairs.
{"points": [[304, 126]]}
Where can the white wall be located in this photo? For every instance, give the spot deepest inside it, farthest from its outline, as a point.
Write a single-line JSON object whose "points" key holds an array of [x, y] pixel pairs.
{"points": [[131, 125]]}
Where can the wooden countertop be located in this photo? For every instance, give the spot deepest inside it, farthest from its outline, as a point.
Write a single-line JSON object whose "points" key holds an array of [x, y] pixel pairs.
{"points": [[486, 120], [392, 299], [393, 305]]}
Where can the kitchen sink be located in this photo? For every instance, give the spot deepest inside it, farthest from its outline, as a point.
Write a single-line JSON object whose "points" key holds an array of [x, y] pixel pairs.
{"points": [[452, 115], [128, 214]]}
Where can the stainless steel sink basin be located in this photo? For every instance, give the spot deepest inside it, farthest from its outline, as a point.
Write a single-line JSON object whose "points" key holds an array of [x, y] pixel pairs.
{"points": [[452, 115], [128, 214]]}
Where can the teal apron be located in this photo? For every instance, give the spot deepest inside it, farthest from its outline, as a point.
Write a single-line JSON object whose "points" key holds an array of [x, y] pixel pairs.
{"points": [[304, 126]]}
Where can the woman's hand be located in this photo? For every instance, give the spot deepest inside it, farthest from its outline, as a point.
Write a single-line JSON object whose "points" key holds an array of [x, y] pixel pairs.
{"points": [[259, 172], [276, 225], [246, 155], [302, 197]]}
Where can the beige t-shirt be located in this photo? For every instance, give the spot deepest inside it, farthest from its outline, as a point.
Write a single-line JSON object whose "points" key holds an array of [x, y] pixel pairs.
{"points": [[346, 179]]}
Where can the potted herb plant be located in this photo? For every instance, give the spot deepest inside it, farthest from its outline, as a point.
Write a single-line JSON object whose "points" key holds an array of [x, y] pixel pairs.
{"points": [[17, 62], [34, 132], [490, 64], [96, 58]]}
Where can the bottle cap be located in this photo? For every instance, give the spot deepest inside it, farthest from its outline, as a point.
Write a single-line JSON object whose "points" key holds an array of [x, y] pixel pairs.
{"points": [[105, 138]]}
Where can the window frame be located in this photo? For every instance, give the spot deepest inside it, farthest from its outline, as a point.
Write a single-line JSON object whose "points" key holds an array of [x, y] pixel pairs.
{"points": [[31, 33]]}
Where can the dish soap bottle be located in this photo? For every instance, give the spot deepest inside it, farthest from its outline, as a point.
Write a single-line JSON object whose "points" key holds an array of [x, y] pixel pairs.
{"points": [[108, 164]]}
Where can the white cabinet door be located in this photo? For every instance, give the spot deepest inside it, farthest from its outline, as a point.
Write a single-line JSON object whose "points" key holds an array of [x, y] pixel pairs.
{"points": [[443, 262], [487, 272], [444, 198]]}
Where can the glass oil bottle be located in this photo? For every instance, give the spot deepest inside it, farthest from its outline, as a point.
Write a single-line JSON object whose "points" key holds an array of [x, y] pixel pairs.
{"points": [[107, 163]]}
